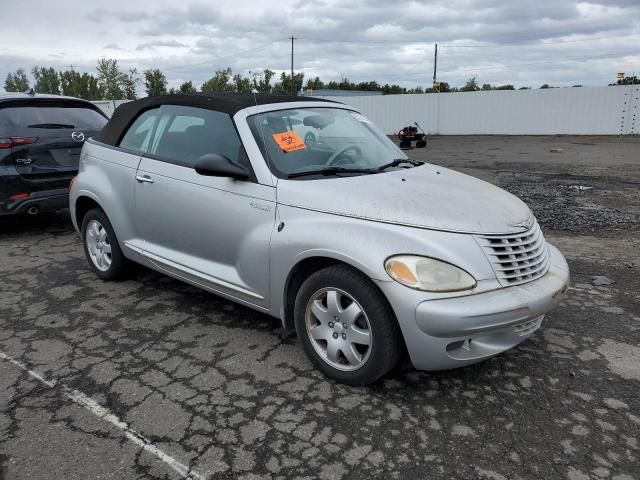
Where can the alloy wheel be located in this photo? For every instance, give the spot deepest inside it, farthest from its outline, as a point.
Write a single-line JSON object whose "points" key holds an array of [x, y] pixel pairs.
{"points": [[98, 245], [338, 329]]}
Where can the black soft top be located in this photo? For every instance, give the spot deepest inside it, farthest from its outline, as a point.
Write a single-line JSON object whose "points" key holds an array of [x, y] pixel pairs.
{"points": [[229, 103]]}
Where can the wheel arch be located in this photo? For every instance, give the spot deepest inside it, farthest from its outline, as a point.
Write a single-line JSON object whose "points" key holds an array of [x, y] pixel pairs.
{"points": [[83, 204], [302, 270]]}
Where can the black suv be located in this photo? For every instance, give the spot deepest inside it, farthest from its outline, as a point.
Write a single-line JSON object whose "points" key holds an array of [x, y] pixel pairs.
{"points": [[41, 137]]}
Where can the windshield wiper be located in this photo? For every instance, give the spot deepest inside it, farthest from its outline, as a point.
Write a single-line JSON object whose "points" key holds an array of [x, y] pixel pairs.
{"points": [[51, 125], [399, 161], [331, 171]]}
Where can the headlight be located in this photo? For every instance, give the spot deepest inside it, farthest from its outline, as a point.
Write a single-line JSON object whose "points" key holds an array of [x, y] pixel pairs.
{"points": [[428, 274]]}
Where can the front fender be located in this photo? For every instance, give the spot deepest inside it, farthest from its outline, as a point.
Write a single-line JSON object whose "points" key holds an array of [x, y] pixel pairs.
{"points": [[364, 245]]}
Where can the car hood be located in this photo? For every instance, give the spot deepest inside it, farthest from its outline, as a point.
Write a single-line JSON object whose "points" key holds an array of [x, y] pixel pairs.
{"points": [[427, 196]]}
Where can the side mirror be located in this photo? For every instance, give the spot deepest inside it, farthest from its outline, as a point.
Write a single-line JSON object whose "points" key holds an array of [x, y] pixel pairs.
{"points": [[216, 165]]}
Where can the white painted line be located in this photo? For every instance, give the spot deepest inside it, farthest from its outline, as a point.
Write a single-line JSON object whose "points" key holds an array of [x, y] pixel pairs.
{"points": [[105, 414]]}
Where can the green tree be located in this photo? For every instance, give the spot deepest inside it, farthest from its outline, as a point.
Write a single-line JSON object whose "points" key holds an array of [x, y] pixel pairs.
{"points": [[47, 80], [129, 83], [371, 86], [486, 86], [393, 89], [286, 87], [262, 80], [110, 78], [505, 87], [220, 82], [186, 87], [470, 86], [81, 85], [17, 82], [315, 84], [627, 81], [90, 88], [444, 87], [70, 83], [155, 82], [546, 85], [241, 84]]}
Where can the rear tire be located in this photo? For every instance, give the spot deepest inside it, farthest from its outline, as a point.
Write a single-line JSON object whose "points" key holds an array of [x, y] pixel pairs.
{"points": [[101, 246], [346, 327]]}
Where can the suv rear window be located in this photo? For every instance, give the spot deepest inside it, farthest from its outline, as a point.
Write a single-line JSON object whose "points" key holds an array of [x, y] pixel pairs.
{"points": [[83, 118]]}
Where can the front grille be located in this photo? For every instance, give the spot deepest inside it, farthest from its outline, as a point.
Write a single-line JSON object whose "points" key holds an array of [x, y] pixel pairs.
{"points": [[517, 258]]}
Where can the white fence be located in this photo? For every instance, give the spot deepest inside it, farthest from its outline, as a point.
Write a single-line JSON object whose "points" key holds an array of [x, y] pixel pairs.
{"points": [[577, 111], [552, 111]]}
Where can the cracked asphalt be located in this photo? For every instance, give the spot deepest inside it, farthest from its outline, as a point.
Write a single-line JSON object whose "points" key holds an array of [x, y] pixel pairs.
{"points": [[224, 392]]}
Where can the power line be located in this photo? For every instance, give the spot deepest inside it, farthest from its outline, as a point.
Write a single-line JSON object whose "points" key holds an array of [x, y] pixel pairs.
{"points": [[513, 65], [236, 54], [543, 44], [545, 62]]}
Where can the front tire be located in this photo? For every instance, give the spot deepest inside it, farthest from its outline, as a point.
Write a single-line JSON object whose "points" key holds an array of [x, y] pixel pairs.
{"points": [[101, 246], [346, 327]]}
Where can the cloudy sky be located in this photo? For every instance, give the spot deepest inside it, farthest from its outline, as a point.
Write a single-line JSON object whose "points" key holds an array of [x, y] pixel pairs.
{"points": [[525, 43]]}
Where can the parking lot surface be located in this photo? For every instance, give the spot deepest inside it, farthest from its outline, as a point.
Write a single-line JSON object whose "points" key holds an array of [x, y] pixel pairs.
{"points": [[151, 378]]}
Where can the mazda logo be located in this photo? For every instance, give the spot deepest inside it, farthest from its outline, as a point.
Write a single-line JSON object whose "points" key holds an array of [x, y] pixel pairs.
{"points": [[78, 137]]}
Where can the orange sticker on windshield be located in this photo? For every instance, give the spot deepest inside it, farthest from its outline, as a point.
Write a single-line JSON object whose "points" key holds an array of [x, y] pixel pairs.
{"points": [[289, 141]]}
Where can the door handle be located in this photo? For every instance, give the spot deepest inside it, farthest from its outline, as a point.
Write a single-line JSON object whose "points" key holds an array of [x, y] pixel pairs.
{"points": [[144, 179]]}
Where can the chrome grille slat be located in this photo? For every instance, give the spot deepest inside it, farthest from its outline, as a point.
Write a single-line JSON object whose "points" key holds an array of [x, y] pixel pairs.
{"points": [[538, 261], [517, 258], [531, 255], [505, 243], [526, 248]]}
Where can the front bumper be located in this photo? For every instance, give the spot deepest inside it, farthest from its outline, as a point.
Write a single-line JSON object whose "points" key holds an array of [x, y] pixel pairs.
{"points": [[453, 332]]}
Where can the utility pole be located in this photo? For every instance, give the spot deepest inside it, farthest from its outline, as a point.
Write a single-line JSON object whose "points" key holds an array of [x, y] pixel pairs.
{"points": [[293, 85], [435, 68], [436, 87]]}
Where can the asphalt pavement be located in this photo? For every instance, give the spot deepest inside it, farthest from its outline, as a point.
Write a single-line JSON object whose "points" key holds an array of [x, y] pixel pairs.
{"points": [[152, 378]]}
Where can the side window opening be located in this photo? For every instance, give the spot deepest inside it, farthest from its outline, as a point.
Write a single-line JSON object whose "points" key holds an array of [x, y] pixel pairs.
{"points": [[184, 134], [139, 134]]}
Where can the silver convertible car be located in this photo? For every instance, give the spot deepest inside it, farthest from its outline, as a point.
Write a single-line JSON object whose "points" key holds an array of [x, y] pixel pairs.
{"points": [[366, 253]]}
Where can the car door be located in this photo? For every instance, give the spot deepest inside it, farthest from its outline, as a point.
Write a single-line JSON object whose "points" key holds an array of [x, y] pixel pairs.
{"points": [[210, 231]]}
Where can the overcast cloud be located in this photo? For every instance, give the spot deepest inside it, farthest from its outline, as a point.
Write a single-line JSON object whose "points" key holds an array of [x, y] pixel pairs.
{"points": [[524, 43]]}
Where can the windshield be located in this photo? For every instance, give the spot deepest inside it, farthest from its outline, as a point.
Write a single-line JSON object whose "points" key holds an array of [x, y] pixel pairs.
{"points": [[321, 139]]}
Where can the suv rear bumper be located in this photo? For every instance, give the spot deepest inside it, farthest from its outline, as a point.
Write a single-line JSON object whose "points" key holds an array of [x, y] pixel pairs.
{"points": [[45, 200]]}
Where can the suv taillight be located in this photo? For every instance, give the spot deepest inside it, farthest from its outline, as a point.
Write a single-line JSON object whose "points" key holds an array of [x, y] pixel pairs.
{"points": [[8, 142]]}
